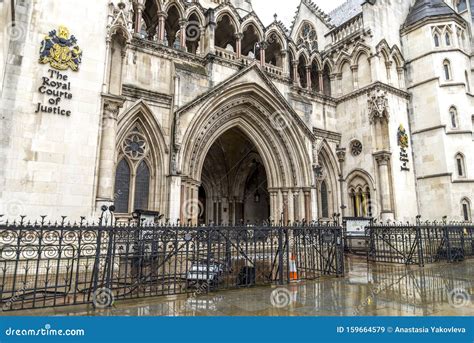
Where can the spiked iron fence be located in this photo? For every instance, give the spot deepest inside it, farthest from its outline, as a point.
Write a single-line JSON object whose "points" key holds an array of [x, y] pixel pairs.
{"points": [[56, 265], [420, 244]]}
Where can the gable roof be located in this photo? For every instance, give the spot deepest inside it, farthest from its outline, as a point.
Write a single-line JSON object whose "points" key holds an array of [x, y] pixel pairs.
{"points": [[428, 9], [346, 11]]}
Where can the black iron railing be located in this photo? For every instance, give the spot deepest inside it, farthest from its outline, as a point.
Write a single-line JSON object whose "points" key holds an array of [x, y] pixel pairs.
{"points": [[420, 244], [44, 265]]}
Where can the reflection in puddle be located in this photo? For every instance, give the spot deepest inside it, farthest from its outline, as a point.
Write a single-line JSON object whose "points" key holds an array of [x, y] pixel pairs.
{"points": [[367, 290]]}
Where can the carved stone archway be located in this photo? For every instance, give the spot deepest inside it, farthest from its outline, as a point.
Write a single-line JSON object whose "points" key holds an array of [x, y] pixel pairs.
{"points": [[280, 140]]}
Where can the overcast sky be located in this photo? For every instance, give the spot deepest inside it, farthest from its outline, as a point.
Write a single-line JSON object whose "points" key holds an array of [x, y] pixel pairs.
{"points": [[286, 9]]}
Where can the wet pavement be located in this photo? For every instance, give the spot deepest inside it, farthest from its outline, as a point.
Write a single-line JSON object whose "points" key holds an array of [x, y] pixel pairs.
{"points": [[366, 290]]}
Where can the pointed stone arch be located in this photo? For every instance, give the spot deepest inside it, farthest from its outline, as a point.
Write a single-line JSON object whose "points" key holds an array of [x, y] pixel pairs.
{"points": [[140, 119], [273, 128]]}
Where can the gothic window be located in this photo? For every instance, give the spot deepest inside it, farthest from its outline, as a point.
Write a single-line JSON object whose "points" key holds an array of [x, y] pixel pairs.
{"points": [[122, 187], [447, 70], [324, 200], [460, 165], [448, 39], [308, 38], [436, 40], [453, 113], [133, 175], [142, 186], [466, 210]]}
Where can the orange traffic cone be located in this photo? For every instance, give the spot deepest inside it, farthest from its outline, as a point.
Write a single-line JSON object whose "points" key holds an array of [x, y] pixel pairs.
{"points": [[293, 271]]}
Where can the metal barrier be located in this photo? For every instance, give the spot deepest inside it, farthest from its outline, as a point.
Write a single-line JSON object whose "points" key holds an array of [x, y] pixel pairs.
{"points": [[420, 244], [58, 265]]}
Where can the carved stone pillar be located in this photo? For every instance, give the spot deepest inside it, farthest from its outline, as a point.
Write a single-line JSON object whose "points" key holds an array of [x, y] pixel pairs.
{"points": [[106, 182], [238, 44], [307, 205], [339, 83], [161, 27], [332, 79], [284, 61], [182, 27], [321, 82], [401, 77], [274, 205], [294, 64], [285, 207], [341, 156], [383, 162], [355, 76], [138, 18], [263, 47], [308, 77]]}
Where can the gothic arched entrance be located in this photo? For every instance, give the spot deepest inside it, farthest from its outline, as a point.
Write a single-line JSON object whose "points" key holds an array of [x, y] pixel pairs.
{"points": [[244, 155], [234, 186]]}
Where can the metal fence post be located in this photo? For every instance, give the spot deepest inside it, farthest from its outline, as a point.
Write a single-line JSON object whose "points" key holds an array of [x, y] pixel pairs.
{"points": [[280, 255], [95, 271], [419, 239]]}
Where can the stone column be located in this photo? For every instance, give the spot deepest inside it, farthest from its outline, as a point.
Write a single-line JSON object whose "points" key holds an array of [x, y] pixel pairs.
{"points": [[383, 160], [401, 77], [106, 182], [341, 156], [273, 205], [161, 27], [296, 77], [321, 82], [334, 89], [355, 76], [296, 205], [388, 68], [284, 193], [238, 44], [138, 18], [308, 77], [339, 83], [307, 205], [183, 26], [263, 46], [284, 62]]}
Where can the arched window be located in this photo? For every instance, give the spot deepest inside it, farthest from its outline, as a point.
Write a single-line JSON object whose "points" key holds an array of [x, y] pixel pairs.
{"points": [[327, 80], [447, 38], [302, 75], [324, 200], [466, 210], [193, 34], [453, 114], [142, 186], [172, 28], [225, 33], [460, 165], [122, 187], [436, 40], [133, 176], [447, 70]]}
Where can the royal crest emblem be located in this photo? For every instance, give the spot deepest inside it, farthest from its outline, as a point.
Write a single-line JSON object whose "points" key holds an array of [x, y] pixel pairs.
{"points": [[60, 50], [402, 137]]}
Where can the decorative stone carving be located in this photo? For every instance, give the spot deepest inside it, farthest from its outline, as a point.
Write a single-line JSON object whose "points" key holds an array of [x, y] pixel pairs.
{"points": [[356, 148], [378, 105]]}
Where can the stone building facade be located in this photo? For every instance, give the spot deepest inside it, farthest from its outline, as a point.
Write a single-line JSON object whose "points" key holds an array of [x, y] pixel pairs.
{"points": [[197, 110]]}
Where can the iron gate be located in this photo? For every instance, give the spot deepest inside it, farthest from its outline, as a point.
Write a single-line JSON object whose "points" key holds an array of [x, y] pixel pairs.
{"points": [[420, 244], [58, 265]]}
